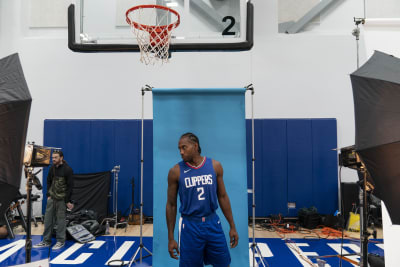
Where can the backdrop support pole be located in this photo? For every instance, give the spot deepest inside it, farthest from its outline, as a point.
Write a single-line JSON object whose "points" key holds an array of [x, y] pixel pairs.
{"points": [[254, 247], [141, 246]]}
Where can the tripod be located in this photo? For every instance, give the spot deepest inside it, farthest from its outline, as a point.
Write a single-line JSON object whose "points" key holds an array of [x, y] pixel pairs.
{"points": [[254, 247], [141, 246]]}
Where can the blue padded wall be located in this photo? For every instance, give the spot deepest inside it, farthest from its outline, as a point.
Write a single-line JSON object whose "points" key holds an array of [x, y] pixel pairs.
{"points": [[270, 166], [325, 175], [98, 145], [299, 160], [294, 160]]}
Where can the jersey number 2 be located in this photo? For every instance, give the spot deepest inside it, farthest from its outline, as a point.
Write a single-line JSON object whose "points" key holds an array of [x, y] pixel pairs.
{"points": [[201, 190]]}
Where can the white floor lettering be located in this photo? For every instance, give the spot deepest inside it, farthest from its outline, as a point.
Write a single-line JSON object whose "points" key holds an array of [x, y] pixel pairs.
{"points": [[354, 247], [120, 253], [12, 248], [298, 253], [62, 258], [265, 253]]}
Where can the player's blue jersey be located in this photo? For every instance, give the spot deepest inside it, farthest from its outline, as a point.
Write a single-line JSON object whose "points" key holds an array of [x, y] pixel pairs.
{"points": [[198, 189]]}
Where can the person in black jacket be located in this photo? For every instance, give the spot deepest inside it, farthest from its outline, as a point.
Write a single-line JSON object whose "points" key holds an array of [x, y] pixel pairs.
{"points": [[59, 191]]}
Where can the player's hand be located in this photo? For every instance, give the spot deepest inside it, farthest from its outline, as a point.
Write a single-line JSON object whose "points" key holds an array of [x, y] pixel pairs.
{"points": [[173, 249], [234, 237]]}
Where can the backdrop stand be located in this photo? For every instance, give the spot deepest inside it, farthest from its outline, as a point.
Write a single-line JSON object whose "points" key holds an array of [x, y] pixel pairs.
{"points": [[254, 247], [141, 246]]}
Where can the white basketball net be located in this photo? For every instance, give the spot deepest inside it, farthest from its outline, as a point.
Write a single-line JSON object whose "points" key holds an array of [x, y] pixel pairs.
{"points": [[152, 27]]}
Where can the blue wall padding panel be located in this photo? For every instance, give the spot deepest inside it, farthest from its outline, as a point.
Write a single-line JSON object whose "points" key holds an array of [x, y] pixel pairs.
{"points": [[217, 116], [325, 178], [270, 166], [98, 145], [274, 136], [299, 142], [101, 137], [294, 163]]}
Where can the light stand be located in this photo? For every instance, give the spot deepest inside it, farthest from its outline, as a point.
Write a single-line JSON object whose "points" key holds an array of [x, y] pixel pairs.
{"points": [[254, 247], [362, 193], [115, 171], [34, 156], [356, 33], [31, 179], [364, 234], [141, 246], [28, 241], [350, 158]]}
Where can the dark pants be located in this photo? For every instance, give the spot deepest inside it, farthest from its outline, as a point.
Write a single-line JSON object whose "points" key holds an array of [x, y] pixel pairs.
{"points": [[55, 215]]}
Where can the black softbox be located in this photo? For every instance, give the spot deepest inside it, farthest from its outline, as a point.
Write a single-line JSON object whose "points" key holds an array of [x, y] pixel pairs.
{"points": [[376, 91], [15, 105]]}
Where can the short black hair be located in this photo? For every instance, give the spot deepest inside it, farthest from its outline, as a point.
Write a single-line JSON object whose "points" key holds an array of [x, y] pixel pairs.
{"points": [[59, 152], [193, 138]]}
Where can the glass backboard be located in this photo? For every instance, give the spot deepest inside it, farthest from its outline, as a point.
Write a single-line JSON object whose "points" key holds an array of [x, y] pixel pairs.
{"points": [[222, 24]]}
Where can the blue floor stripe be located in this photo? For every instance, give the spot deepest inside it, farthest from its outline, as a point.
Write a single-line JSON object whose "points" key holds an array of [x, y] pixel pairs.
{"points": [[274, 250]]}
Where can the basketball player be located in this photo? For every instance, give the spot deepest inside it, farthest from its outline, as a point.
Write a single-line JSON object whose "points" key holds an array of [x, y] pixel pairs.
{"points": [[199, 181]]}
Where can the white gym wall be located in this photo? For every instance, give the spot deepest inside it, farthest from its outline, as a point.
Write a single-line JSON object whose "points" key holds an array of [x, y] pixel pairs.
{"points": [[304, 75]]}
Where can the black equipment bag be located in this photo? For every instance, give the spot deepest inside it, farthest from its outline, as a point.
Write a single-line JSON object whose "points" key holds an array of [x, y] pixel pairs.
{"points": [[80, 233], [309, 218]]}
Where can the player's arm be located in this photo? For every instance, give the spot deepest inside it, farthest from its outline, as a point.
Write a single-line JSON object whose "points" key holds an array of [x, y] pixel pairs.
{"points": [[172, 193], [225, 203]]}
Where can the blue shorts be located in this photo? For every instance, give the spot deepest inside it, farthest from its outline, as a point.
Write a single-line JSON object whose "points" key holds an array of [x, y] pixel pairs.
{"points": [[202, 242]]}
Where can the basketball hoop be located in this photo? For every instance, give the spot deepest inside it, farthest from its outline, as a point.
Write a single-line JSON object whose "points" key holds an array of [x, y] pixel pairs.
{"points": [[152, 26]]}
